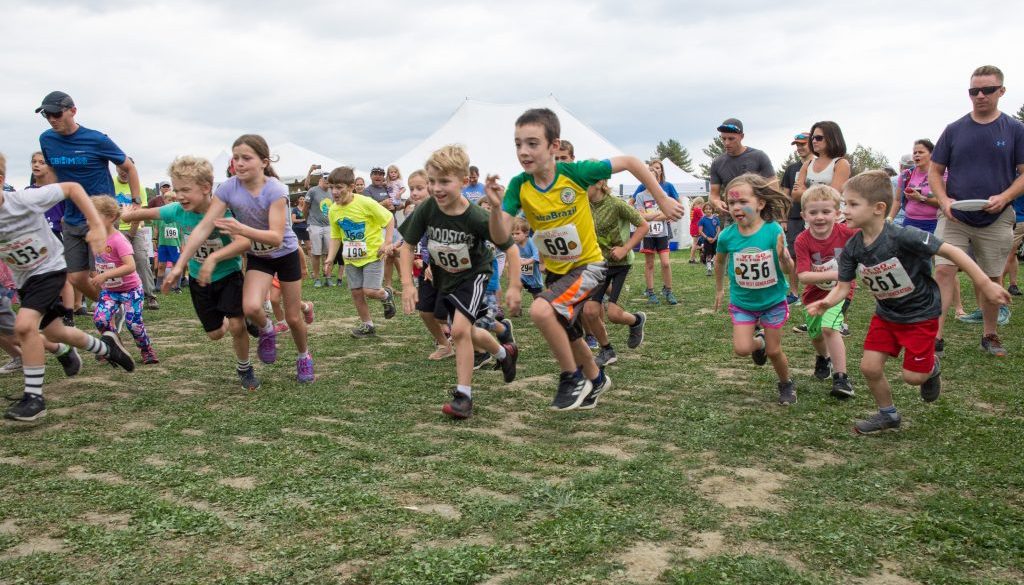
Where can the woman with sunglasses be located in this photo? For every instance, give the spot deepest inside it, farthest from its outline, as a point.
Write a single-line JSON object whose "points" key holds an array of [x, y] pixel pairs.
{"points": [[828, 167]]}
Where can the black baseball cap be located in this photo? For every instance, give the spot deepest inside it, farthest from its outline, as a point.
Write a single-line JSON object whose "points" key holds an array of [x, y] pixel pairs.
{"points": [[377, 171], [56, 101], [731, 125]]}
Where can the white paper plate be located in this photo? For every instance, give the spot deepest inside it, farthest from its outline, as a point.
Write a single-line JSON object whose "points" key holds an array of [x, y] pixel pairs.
{"points": [[970, 204]]}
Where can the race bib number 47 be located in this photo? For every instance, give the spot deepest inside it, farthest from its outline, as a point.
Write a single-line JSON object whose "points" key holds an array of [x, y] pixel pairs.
{"points": [[24, 252], [561, 244], [755, 269], [886, 280]]}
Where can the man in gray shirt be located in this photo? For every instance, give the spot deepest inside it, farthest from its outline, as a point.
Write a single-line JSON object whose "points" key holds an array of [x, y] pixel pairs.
{"points": [[377, 190], [319, 230], [735, 161]]}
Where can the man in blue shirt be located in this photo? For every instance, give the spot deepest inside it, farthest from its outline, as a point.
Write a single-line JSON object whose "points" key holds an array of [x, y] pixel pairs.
{"points": [[78, 154], [474, 191]]}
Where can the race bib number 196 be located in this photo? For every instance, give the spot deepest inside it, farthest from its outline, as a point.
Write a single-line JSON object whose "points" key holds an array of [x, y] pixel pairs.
{"points": [[755, 269], [886, 280], [561, 244]]}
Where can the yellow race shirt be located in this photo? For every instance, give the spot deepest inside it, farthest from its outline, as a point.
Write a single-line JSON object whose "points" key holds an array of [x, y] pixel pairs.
{"points": [[359, 225], [560, 215], [123, 195]]}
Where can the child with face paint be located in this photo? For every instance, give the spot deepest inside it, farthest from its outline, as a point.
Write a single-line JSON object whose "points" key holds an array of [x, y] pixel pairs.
{"points": [[753, 251]]}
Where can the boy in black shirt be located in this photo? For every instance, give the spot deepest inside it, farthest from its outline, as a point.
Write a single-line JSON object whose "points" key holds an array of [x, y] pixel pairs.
{"points": [[894, 264]]}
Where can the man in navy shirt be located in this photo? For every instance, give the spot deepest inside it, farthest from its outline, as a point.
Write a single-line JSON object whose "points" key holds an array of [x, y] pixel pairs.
{"points": [[78, 154], [984, 152]]}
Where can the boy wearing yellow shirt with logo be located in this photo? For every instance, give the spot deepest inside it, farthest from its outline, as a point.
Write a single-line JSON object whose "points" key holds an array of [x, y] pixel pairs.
{"points": [[356, 222], [553, 197]]}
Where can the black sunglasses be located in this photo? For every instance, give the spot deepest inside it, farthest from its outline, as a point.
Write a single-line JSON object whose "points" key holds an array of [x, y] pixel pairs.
{"points": [[988, 90], [53, 115], [817, 138]]}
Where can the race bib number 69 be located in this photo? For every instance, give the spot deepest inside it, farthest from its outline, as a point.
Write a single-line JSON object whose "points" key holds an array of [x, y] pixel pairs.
{"points": [[561, 244]]}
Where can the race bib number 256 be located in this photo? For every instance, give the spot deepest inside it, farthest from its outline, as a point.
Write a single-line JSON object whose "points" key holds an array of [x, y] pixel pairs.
{"points": [[755, 269]]}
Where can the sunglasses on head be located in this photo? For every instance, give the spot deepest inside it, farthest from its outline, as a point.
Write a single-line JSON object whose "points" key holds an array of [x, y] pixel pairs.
{"points": [[987, 90], [730, 128], [53, 115], [817, 138]]}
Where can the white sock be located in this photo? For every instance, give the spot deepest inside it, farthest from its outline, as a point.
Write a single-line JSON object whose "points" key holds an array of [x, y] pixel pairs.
{"points": [[34, 379], [501, 353], [467, 390]]}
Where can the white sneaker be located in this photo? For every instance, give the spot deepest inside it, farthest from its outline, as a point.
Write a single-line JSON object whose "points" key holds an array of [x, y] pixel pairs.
{"points": [[12, 366]]}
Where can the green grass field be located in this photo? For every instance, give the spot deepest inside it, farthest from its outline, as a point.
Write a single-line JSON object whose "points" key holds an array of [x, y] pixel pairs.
{"points": [[687, 472]]}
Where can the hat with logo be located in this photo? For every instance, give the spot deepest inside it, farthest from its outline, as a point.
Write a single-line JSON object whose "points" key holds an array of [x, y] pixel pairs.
{"points": [[377, 171], [731, 125], [56, 101], [800, 138]]}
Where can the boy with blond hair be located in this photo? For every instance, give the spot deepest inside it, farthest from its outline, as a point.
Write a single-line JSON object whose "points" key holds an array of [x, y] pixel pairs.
{"points": [[818, 249], [457, 235], [356, 223], [553, 198], [895, 264]]}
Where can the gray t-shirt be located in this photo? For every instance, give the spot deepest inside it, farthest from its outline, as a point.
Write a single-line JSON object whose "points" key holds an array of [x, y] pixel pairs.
{"points": [[376, 193], [319, 204], [897, 269], [726, 168], [27, 245]]}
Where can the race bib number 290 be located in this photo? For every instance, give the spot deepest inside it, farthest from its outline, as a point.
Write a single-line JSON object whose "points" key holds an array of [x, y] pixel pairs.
{"points": [[887, 279]]}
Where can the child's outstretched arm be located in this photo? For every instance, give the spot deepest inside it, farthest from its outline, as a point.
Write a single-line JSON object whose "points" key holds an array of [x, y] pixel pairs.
{"points": [[720, 261], [992, 291], [670, 207], [409, 293], [834, 297], [500, 223]]}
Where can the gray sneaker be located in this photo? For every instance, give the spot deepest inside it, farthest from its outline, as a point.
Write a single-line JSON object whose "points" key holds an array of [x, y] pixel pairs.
{"points": [[590, 402], [606, 357], [636, 331], [932, 387], [787, 393], [841, 387], [248, 379], [362, 331], [877, 423], [993, 345], [760, 356], [389, 303]]}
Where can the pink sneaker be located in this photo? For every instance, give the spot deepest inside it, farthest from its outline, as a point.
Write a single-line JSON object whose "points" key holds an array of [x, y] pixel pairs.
{"points": [[280, 327], [307, 313]]}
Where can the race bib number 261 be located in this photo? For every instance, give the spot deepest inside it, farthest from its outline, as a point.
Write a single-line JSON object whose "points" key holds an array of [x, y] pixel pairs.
{"points": [[887, 279]]}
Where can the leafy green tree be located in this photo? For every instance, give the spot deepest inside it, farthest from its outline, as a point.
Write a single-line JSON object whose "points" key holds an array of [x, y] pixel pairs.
{"points": [[676, 153], [864, 158], [714, 149], [793, 158], [1020, 114]]}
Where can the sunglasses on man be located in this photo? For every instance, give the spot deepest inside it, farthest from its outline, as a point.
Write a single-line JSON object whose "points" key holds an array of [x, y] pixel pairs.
{"points": [[53, 115], [987, 90]]}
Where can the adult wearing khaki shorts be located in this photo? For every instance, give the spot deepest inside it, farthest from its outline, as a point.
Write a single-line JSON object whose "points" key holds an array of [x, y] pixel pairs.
{"points": [[1012, 263], [984, 152]]}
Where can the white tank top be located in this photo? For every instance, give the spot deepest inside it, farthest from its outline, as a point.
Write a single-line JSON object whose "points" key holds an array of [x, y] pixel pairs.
{"points": [[822, 178]]}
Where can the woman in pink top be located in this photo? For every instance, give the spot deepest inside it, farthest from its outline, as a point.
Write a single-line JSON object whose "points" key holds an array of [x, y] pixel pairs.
{"points": [[922, 209], [119, 284]]}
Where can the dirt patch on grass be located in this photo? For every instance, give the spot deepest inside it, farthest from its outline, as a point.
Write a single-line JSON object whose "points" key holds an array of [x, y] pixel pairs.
{"points": [[501, 579], [78, 472], [524, 383], [250, 440], [752, 488], [443, 510], [485, 493], [645, 562], [328, 420], [39, 544], [708, 544], [610, 451], [156, 461], [505, 429], [888, 576], [109, 521], [138, 426], [192, 432], [348, 569], [239, 483], [818, 459], [9, 526]]}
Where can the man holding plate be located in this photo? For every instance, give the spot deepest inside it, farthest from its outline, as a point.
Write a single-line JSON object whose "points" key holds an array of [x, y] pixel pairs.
{"points": [[984, 152]]}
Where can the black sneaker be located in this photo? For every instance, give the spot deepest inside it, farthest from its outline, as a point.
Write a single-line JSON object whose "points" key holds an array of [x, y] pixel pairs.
{"points": [[118, 354], [480, 359], [801, 328], [507, 336], [932, 386], [253, 330], [606, 357], [822, 367], [636, 331], [573, 389], [71, 362], [787, 393], [844, 330], [461, 406], [389, 303], [590, 401], [841, 387], [940, 346], [877, 423], [760, 356], [508, 365], [248, 379], [31, 407], [1014, 290]]}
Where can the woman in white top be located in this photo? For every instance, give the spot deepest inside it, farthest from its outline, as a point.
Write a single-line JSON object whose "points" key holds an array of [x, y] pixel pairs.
{"points": [[828, 167]]}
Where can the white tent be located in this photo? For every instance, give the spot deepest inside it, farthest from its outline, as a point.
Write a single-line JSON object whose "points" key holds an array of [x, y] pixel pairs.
{"points": [[486, 131], [292, 162]]}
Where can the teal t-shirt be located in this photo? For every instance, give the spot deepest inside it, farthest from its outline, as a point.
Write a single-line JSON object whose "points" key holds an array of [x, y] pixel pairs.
{"points": [[186, 221], [756, 279]]}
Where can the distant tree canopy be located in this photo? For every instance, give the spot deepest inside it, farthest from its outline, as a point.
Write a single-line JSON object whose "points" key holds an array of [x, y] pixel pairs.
{"points": [[714, 149], [674, 152]]}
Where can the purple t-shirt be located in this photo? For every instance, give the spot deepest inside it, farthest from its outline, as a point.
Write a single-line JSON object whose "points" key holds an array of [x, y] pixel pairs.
{"points": [[254, 212], [982, 161]]}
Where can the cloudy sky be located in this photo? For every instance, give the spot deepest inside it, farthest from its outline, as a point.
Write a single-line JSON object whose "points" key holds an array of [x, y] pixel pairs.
{"points": [[364, 82]]}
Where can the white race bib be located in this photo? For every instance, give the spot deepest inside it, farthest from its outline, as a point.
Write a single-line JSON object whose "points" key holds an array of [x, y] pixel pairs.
{"points": [[886, 280], [110, 282], [832, 264], [24, 253], [657, 229], [450, 257], [755, 269], [561, 244], [261, 249], [170, 233], [353, 249], [208, 247], [527, 269]]}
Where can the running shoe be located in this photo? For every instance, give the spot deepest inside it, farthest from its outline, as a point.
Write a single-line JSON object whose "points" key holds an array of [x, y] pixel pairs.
{"points": [[248, 379], [801, 328], [1004, 315], [573, 389], [787, 393], [480, 359], [149, 356], [590, 402], [877, 423], [389, 303], [362, 331], [822, 367], [331, 281], [267, 347], [70, 361], [669, 297], [841, 387], [12, 366], [31, 407], [251, 327], [792, 300], [636, 331], [304, 369], [760, 356], [508, 365], [972, 317], [460, 407], [441, 352], [117, 355], [82, 311], [592, 342], [280, 327], [932, 387], [606, 357], [152, 304], [317, 283], [940, 346], [507, 336], [307, 313], [68, 320], [652, 297], [993, 345], [1014, 290], [845, 330]]}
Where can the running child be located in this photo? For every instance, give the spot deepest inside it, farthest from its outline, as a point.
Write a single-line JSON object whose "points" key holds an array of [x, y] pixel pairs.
{"points": [[529, 259], [818, 249], [612, 220], [659, 236], [554, 200], [457, 233], [259, 201], [707, 229], [895, 264], [120, 286], [36, 258], [422, 273], [753, 251], [356, 223], [168, 249], [216, 266]]}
